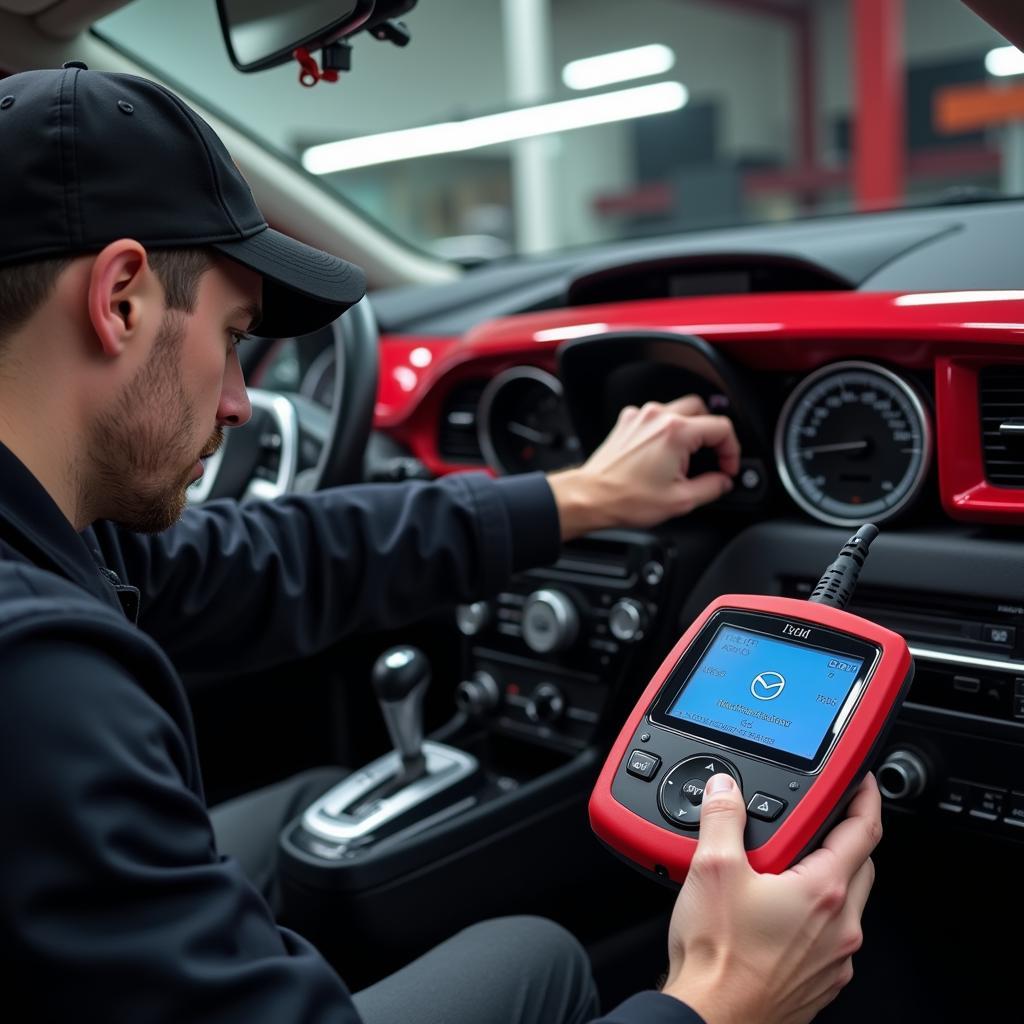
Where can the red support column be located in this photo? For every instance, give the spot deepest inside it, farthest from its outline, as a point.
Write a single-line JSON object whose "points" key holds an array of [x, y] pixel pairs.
{"points": [[879, 136]]}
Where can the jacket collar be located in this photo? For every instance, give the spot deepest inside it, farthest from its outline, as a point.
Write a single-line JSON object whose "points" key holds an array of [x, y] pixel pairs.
{"points": [[32, 524]]}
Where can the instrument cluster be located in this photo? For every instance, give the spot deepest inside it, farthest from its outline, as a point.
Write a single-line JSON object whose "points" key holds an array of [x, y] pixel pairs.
{"points": [[851, 442]]}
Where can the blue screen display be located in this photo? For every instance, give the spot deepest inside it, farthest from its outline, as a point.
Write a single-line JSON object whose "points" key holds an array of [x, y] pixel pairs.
{"points": [[781, 695]]}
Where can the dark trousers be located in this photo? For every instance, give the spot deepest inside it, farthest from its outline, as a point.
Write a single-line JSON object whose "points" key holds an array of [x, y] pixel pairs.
{"points": [[512, 970]]}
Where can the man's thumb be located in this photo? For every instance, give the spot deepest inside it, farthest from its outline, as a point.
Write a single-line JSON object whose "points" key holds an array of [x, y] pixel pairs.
{"points": [[722, 818]]}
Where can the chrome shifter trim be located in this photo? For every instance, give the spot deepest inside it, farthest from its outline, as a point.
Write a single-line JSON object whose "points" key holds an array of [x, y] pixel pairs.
{"points": [[326, 819]]}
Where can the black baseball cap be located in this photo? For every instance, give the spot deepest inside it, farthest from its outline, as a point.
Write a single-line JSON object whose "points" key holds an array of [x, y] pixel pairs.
{"points": [[91, 156]]}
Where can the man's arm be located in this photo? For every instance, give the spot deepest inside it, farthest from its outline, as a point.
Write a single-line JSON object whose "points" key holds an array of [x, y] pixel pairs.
{"points": [[116, 903], [234, 587], [231, 588]]}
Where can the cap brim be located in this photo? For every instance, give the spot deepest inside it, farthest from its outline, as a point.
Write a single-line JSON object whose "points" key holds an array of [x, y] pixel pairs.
{"points": [[304, 288]]}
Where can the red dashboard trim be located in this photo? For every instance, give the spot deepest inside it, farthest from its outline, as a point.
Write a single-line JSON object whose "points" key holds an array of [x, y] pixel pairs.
{"points": [[953, 332]]}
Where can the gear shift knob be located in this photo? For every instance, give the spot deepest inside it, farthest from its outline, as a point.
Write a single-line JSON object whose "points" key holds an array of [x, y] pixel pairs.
{"points": [[401, 676]]}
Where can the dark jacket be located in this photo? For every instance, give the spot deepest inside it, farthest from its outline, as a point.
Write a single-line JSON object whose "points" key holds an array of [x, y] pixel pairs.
{"points": [[115, 903]]}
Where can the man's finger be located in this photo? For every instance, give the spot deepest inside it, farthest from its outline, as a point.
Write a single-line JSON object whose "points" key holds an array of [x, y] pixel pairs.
{"points": [[688, 405], [715, 432], [853, 839], [720, 849], [701, 490], [860, 888]]}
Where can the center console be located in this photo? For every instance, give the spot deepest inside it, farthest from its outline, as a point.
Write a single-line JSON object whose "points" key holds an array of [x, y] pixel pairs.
{"points": [[500, 790], [544, 655]]}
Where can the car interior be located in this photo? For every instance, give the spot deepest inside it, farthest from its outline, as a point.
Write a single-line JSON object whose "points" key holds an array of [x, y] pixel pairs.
{"points": [[871, 360]]}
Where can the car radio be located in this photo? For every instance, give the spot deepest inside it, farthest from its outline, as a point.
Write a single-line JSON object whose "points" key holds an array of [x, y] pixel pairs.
{"points": [[543, 656], [793, 699]]}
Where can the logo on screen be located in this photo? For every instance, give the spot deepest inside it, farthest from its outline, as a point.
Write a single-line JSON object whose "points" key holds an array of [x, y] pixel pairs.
{"points": [[767, 685]]}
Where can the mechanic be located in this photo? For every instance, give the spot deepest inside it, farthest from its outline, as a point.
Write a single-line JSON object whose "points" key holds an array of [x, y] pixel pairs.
{"points": [[133, 259]]}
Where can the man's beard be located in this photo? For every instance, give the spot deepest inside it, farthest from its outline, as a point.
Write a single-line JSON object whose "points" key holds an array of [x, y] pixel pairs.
{"points": [[141, 450]]}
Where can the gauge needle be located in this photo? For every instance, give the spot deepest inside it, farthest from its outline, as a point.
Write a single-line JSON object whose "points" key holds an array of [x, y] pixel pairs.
{"points": [[528, 433], [844, 446]]}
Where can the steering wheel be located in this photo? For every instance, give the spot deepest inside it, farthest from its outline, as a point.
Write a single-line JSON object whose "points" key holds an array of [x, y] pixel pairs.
{"points": [[293, 444]]}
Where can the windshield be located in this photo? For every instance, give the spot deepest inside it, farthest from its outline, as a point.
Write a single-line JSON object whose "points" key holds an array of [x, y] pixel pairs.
{"points": [[702, 113]]}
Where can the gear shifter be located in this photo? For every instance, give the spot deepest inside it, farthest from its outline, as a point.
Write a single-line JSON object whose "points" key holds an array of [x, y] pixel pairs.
{"points": [[401, 676], [419, 779]]}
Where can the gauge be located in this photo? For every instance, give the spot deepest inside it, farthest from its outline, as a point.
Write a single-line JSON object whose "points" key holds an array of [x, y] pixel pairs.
{"points": [[853, 444], [318, 383], [523, 423]]}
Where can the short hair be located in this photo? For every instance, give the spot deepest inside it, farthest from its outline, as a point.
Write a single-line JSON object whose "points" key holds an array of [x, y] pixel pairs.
{"points": [[24, 287]]}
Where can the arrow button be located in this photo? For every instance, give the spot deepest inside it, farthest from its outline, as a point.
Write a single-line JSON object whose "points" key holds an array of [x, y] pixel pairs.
{"points": [[765, 807]]}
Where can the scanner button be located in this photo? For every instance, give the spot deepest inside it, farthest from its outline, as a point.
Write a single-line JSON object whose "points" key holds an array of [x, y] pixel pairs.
{"points": [[643, 765], [682, 789], [693, 791], [765, 807]]}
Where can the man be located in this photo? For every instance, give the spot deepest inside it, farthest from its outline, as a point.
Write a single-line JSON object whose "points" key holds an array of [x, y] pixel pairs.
{"points": [[133, 259]]}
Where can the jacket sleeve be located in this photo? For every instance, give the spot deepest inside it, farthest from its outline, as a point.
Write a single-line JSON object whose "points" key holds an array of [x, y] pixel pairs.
{"points": [[233, 588], [116, 905], [651, 1008]]}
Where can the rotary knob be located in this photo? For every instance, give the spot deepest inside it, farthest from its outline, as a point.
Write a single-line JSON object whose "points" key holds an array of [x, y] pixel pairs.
{"points": [[478, 695], [546, 704], [550, 621], [471, 618], [902, 776], [627, 620]]}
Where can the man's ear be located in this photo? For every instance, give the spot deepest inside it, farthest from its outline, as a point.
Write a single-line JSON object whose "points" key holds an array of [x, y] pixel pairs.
{"points": [[121, 294]]}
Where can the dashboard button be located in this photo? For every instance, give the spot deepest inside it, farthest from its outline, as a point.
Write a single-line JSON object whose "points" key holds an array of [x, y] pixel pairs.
{"points": [[1004, 636], [986, 803], [954, 797], [765, 807], [653, 573], [1015, 810], [643, 765]]}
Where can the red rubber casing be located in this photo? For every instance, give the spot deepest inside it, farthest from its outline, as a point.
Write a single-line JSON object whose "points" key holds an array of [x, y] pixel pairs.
{"points": [[651, 846]]}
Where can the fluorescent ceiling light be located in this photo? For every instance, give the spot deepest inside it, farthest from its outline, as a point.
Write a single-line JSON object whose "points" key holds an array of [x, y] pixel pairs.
{"points": [[508, 126], [639, 62], [1004, 60]]}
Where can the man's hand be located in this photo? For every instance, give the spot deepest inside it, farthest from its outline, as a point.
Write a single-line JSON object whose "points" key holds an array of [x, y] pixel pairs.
{"points": [[638, 475], [746, 948]]}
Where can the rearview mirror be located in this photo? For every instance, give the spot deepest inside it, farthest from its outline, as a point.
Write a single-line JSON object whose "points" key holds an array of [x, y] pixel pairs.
{"points": [[263, 33]]}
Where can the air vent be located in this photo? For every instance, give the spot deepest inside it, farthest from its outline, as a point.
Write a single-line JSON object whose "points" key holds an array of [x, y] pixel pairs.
{"points": [[458, 441], [1001, 399]]}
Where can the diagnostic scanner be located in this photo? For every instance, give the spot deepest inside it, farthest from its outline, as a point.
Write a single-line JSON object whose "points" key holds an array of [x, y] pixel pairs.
{"points": [[791, 698]]}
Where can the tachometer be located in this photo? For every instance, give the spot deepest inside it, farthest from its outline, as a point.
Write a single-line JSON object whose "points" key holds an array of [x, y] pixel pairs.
{"points": [[853, 443], [523, 423]]}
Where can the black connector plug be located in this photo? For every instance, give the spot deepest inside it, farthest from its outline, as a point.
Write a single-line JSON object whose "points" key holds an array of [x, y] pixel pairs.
{"points": [[839, 580]]}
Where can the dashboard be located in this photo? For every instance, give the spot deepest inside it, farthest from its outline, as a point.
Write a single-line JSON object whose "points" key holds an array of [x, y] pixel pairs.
{"points": [[902, 405], [912, 413], [849, 406]]}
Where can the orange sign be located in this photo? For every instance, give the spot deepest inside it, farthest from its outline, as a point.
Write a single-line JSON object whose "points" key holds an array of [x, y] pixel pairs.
{"points": [[966, 108]]}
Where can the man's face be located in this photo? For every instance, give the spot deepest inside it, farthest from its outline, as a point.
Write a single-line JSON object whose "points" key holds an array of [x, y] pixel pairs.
{"points": [[146, 447]]}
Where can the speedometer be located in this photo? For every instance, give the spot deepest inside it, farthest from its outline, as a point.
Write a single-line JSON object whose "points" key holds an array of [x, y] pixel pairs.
{"points": [[853, 443]]}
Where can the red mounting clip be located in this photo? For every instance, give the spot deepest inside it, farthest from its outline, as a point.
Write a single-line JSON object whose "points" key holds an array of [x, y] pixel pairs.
{"points": [[310, 72]]}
